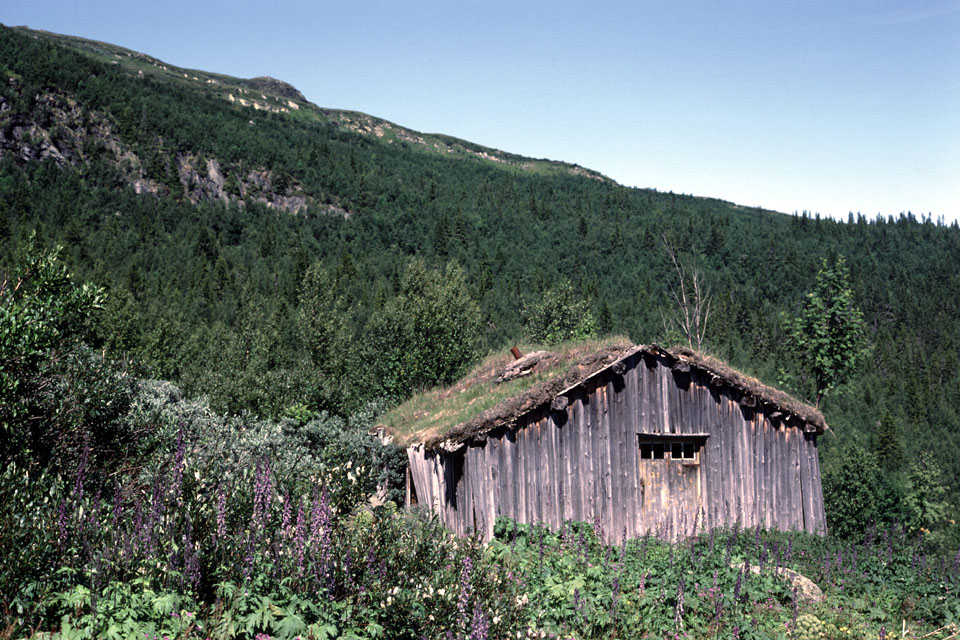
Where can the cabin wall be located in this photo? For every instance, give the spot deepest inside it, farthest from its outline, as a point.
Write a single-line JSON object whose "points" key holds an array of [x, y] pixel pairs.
{"points": [[583, 463]]}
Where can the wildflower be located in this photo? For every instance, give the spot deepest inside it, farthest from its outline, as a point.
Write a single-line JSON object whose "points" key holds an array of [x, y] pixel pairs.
{"points": [[481, 626], [598, 529], [262, 494], [464, 600], [81, 470], [678, 610], [300, 538]]}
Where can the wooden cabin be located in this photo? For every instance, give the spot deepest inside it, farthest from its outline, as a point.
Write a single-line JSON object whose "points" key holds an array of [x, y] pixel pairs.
{"points": [[641, 440]]}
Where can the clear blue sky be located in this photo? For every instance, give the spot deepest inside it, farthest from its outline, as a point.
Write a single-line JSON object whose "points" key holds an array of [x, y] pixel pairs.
{"points": [[827, 106]]}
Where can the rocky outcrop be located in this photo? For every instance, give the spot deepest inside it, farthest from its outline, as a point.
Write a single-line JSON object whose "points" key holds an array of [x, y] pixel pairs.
{"points": [[27, 141], [206, 180], [56, 128], [205, 185], [277, 88]]}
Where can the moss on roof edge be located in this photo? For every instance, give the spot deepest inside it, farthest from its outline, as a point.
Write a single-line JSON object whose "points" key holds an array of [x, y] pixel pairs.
{"points": [[507, 412]]}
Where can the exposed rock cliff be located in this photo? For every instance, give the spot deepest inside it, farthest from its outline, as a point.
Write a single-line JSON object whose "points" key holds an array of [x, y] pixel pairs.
{"points": [[277, 88], [50, 126]]}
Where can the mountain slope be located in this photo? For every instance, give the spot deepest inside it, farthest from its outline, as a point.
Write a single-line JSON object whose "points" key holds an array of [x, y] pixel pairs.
{"points": [[204, 216], [270, 95]]}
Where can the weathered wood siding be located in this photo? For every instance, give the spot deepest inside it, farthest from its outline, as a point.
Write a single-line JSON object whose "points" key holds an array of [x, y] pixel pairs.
{"points": [[584, 463]]}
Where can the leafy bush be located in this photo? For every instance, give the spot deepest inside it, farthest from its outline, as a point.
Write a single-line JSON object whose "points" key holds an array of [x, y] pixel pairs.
{"points": [[560, 316], [57, 397], [429, 334], [857, 495]]}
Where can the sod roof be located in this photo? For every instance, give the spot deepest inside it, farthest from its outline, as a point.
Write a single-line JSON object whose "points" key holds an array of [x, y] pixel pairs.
{"points": [[501, 390]]}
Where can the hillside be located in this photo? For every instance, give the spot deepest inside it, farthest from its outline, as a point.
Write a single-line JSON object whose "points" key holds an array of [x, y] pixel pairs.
{"points": [[254, 248], [247, 284]]}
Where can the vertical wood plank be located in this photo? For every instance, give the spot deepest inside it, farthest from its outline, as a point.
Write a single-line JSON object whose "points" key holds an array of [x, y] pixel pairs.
{"points": [[818, 492]]}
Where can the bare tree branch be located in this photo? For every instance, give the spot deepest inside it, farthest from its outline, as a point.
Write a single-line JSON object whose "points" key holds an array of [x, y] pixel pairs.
{"points": [[691, 298]]}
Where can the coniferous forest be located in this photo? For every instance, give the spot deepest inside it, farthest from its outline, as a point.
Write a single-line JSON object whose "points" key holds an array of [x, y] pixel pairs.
{"points": [[205, 306]]}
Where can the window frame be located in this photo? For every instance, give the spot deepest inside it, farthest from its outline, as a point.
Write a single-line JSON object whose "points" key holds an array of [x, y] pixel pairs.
{"points": [[663, 446]]}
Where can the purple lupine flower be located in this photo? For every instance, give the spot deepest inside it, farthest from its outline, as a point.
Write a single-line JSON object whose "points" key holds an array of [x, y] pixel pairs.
{"points": [[736, 633], [678, 610], [191, 563], [737, 587], [348, 567], [480, 628], [463, 601], [248, 560], [319, 515], [81, 470], [883, 633], [285, 518], [371, 561], [577, 602], [598, 529], [262, 495], [139, 530], [320, 525], [156, 512], [718, 608], [300, 538]]}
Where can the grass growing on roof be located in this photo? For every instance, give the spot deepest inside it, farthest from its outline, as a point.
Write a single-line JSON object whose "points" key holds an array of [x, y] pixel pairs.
{"points": [[433, 412]]}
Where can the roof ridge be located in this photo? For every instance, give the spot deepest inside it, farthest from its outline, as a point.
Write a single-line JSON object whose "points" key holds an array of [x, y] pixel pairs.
{"points": [[507, 412]]}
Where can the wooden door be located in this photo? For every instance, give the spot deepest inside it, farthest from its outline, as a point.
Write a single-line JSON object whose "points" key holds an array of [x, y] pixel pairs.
{"points": [[670, 487]]}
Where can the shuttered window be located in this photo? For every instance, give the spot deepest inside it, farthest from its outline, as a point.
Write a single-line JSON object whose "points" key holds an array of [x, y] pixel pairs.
{"points": [[674, 447]]}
